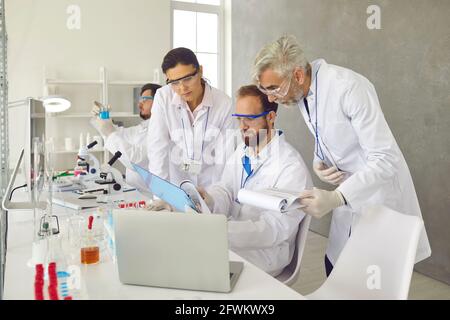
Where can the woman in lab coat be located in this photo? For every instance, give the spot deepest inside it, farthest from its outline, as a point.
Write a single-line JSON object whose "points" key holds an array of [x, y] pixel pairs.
{"points": [[189, 124], [354, 147], [130, 141]]}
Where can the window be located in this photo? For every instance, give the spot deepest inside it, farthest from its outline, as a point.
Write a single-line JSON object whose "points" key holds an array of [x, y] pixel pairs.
{"points": [[197, 25]]}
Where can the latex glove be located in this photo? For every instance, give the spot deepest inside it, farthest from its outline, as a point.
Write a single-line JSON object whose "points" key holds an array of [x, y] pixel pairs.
{"points": [[104, 127], [319, 202], [206, 197], [96, 108], [159, 205], [329, 175]]}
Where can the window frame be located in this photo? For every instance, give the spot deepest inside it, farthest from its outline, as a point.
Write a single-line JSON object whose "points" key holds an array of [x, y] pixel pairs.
{"points": [[205, 8]]}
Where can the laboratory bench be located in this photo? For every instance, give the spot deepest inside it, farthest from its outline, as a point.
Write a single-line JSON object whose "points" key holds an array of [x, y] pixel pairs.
{"points": [[101, 281]]}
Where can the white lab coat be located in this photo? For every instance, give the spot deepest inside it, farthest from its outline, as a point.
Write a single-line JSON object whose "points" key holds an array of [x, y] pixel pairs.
{"points": [[265, 238], [132, 143], [176, 134], [355, 136]]}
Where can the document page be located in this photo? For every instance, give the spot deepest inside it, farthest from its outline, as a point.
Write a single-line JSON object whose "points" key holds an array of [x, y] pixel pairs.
{"points": [[271, 199]]}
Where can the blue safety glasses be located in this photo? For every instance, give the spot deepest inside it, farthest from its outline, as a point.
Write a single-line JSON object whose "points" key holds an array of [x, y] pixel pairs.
{"points": [[145, 98], [250, 116]]}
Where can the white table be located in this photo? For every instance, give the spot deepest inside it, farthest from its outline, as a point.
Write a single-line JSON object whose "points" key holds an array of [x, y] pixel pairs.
{"points": [[101, 281]]}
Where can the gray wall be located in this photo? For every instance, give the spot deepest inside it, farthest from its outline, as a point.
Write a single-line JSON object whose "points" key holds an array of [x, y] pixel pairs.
{"points": [[408, 61]]}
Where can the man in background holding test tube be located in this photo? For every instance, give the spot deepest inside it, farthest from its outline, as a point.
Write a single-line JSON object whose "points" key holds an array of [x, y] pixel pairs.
{"points": [[264, 160], [131, 142]]}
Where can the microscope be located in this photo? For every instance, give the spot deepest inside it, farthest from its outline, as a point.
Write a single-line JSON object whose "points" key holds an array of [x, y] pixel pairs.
{"points": [[111, 176], [87, 164]]}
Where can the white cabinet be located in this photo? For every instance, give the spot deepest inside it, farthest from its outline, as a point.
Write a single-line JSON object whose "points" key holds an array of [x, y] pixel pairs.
{"points": [[76, 120]]}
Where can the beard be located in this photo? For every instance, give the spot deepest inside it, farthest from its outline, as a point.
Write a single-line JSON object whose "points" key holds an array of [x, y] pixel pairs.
{"points": [[255, 139], [144, 116], [296, 95]]}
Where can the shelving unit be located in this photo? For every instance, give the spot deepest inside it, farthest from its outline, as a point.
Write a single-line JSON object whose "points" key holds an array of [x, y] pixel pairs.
{"points": [[4, 140], [82, 93], [72, 82], [76, 151], [86, 115]]}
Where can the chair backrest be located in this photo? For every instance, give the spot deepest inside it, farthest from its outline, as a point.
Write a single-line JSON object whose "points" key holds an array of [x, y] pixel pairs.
{"points": [[291, 271], [378, 259]]}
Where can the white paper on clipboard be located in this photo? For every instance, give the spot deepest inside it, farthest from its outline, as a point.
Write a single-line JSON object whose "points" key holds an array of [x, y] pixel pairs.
{"points": [[271, 199]]}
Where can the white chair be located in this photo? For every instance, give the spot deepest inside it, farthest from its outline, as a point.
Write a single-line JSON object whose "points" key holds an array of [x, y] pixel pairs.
{"points": [[290, 273], [377, 261]]}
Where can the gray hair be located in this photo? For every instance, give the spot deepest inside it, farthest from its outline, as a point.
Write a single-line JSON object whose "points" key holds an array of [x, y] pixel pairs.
{"points": [[282, 56]]}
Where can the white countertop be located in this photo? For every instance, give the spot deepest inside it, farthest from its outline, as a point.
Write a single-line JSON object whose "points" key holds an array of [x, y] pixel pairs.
{"points": [[101, 281]]}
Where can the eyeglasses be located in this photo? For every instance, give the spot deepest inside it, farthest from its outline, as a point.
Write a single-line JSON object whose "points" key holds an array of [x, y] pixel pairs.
{"points": [[248, 118], [187, 80], [145, 98], [279, 92]]}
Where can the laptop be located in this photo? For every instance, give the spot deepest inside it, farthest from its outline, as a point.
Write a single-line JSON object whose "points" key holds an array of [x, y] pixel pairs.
{"points": [[174, 250]]}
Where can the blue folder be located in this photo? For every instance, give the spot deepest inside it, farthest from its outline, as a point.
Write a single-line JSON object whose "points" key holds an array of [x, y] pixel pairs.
{"points": [[163, 189]]}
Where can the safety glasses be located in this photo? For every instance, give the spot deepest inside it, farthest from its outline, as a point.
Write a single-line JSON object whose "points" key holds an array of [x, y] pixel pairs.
{"points": [[146, 98], [248, 117], [187, 80], [279, 92]]}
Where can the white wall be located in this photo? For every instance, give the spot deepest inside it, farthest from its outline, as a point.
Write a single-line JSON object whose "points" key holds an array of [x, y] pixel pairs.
{"points": [[129, 38]]}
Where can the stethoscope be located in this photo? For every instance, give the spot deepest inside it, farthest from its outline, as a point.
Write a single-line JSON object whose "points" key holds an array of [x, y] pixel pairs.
{"points": [[193, 137]]}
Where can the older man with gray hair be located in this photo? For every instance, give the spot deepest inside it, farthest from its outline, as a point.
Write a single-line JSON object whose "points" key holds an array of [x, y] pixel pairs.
{"points": [[355, 150]]}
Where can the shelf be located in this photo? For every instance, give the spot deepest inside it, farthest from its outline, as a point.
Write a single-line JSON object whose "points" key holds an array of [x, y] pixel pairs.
{"points": [[76, 151], [86, 115], [69, 82], [128, 83], [74, 115], [124, 115]]}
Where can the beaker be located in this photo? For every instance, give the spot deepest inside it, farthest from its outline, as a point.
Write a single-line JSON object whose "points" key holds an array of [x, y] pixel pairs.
{"points": [[90, 250]]}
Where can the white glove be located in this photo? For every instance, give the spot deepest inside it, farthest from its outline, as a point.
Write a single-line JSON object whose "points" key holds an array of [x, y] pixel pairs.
{"points": [[206, 197], [328, 175], [96, 108], [319, 202], [160, 205], [104, 127]]}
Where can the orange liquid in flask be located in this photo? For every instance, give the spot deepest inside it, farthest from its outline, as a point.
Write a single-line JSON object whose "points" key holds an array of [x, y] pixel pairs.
{"points": [[90, 255]]}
